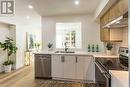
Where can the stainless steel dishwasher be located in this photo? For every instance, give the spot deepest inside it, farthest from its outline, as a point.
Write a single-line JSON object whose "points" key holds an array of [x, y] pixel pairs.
{"points": [[43, 66]]}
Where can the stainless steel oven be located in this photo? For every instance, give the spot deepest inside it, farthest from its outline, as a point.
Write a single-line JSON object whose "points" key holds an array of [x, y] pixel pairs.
{"points": [[102, 77], [123, 57], [103, 65]]}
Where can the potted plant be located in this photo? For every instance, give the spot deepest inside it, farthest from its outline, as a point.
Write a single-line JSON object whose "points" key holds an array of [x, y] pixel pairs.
{"points": [[9, 46], [109, 47], [50, 46]]}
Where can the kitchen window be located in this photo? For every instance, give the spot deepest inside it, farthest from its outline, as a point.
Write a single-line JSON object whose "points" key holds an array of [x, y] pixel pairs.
{"points": [[69, 33]]}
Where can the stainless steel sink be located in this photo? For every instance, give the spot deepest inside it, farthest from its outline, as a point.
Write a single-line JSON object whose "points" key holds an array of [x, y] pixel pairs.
{"points": [[64, 52]]}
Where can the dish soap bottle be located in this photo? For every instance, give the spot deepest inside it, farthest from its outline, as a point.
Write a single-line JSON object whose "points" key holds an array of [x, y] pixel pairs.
{"points": [[89, 48], [97, 48], [93, 49]]}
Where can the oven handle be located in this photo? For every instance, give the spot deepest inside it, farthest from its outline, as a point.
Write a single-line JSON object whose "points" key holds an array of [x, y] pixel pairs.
{"points": [[107, 75], [108, 78], [102, 71]]}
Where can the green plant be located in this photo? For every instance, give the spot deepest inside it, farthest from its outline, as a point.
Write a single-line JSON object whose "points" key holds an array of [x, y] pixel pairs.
{"points": [[9, 46], [50, 45], [10, 62], [109, 46]]}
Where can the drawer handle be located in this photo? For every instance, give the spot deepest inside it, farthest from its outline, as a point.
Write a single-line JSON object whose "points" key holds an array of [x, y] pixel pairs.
{"points": [[76, 59], [62, 59]]}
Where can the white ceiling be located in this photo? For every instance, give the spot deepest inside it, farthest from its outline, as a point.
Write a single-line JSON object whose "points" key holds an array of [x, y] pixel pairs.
{"points": [[64, 7]]}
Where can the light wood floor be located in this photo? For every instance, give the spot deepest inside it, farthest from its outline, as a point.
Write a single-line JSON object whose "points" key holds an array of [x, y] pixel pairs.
{"points": [[25, 78]]}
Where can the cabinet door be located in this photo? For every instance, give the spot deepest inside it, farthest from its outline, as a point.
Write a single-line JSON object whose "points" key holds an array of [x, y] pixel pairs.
{"points": [[57, 66], [105, 34], [123, 6], [70, 67], [116, 35], [89, 68], [80, 67]]}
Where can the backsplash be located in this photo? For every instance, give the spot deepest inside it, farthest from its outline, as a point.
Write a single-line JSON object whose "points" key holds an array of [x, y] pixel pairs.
{"points": [[124, 43], [125, 38]]}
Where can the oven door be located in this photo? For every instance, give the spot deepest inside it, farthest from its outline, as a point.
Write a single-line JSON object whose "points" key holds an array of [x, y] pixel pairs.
{"points": [[123, 62], [102, 78]]}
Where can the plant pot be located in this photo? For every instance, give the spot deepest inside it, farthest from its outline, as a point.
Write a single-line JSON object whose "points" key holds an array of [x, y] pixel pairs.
{"points": [[7, 68], [50, 49], [108, 52]]}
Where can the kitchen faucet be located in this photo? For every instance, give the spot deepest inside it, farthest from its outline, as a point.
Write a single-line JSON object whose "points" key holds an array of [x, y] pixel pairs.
{"points": [[66, 48]]}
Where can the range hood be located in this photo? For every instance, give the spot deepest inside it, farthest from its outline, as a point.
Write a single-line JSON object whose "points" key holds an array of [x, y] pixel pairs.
{"points": [[120, 22]]}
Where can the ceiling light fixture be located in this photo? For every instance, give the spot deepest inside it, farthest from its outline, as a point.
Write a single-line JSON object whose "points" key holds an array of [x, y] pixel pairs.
{"points": [[77, 2], [28, 17], [30, 6]]}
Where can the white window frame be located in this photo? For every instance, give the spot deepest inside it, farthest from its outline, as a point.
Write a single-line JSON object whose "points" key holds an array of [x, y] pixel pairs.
{"points": [[78, 36]]}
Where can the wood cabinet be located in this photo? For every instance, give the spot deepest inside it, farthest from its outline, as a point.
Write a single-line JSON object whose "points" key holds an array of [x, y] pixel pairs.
{"points": [[116, 35], [111, 35], [72, 67], [115, 11], [105, 34], [123, 6]]}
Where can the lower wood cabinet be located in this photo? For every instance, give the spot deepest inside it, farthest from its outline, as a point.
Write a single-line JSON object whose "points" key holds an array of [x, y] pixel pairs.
{"points": [[73, 67]]}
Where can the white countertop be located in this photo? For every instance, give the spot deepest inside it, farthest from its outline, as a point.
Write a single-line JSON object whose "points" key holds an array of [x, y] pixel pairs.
{"points": [[119, 78], [94, 54]]}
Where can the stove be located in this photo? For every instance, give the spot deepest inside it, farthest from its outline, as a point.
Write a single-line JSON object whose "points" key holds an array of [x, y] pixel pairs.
{"points": [[103, 65], [120, 63]]}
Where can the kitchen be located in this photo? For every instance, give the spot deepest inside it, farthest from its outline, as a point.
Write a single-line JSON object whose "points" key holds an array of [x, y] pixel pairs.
{"points": [[82, 46], [113, 31]]}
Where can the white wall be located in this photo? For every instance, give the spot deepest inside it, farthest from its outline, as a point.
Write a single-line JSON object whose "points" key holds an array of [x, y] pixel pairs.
{"points": [[23, 25], [90, 29], [4, 32]]}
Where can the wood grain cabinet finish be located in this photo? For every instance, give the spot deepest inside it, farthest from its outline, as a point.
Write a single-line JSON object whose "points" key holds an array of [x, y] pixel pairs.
{"points": [[105, 35], [115, 11], [111, 35]]}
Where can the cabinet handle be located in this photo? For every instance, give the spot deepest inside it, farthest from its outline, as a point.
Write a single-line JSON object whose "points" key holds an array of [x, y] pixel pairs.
{"points": [[62, 59], [76, 59]]}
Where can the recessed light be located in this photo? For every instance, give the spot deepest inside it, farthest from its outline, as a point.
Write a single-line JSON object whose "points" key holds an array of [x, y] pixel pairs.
{"points": [[30, 6], [28, 17], [77, 2]]}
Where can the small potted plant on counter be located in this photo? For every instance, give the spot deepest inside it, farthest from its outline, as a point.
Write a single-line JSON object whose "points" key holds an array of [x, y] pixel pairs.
{"points": [[9, 46], [50, 46], [109, 47]]}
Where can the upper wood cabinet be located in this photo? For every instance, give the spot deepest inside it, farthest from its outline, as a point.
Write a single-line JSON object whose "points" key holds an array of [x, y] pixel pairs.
{"points": [[115, 11], [105, 35], [111, 35], [123, 6]]}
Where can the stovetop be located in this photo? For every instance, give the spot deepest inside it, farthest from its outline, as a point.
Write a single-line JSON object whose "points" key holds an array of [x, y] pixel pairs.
{"points": [[109, 63]]}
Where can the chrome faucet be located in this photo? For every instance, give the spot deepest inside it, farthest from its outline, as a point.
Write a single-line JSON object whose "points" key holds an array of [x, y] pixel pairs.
{"points": [[66, 48]]}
